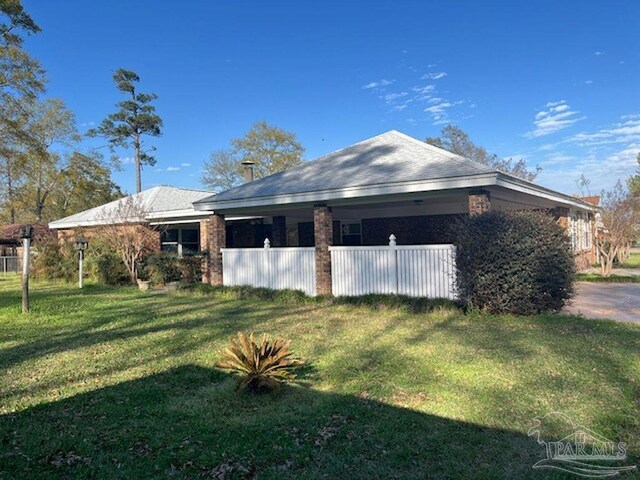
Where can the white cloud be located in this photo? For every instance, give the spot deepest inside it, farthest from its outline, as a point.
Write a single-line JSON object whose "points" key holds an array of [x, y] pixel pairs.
{"points": [[557, 116], [434, 76], [623, 132], [597, 54], [173, 169], [588, 82], [127, 160], [394, 96], [424, 93], [439, 108], [377, 84], [399, 108], [185, 165]]}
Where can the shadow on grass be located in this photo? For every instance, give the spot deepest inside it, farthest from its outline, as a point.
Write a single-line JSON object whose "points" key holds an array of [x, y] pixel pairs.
{"points": [[188, 422], [131, 315]]}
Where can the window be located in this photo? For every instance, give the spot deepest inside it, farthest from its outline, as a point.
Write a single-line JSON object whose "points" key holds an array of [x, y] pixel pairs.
{"points": [[180, 240], [351, 234], [190, 240]]}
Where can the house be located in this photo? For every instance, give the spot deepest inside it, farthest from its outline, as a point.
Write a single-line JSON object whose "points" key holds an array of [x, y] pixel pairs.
{"points": [[169, 208], [350, 202]]}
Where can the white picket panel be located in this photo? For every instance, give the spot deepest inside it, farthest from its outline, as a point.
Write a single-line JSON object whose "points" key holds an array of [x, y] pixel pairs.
{"points": [[278, 268], [413, 270]]}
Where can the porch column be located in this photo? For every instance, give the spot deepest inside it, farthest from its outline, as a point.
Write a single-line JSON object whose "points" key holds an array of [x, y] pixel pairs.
{"points": [[479, 202], [213, 238], [279, 231], [323, 232]]}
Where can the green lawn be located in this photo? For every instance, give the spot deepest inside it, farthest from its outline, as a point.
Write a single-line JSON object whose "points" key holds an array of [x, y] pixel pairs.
{"points": [[115, 383], [633, 261]]}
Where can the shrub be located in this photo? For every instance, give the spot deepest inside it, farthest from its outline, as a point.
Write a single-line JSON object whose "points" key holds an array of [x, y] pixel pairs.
{"points": [[190, 269], [163, 268], [110, 270], [514, 262], [263, 366], [54, 260]]}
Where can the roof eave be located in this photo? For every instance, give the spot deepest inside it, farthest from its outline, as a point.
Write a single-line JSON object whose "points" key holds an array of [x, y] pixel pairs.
{"points": [[364, 191]]}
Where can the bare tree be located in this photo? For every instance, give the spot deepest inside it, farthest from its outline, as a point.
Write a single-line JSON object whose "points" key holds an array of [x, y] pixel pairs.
{"points": [[619, 216], [126, 229]]}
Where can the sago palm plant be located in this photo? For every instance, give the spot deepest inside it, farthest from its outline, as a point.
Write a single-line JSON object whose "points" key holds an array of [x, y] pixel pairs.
{"points": [[263, 365]]}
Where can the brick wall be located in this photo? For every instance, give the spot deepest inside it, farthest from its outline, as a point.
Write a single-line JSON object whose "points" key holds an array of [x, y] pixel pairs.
{"points": [[422, 230], [479, 202]]}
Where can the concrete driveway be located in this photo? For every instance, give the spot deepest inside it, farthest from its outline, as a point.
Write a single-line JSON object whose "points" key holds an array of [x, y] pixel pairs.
{"points": [[617, 301]]}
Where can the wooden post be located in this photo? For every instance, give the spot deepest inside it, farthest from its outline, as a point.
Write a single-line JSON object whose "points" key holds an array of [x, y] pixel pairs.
{"points": [[26, 245]]}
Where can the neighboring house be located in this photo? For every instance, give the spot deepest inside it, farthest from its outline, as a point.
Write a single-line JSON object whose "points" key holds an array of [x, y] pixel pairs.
{"points": [[11, 244], [391, 184], [168, 208]]}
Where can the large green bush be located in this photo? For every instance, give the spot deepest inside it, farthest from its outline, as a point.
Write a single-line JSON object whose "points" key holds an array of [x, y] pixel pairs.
{"points": [[514, 262], [163, 268], [54, 260], [110, 270], [191, 269]]}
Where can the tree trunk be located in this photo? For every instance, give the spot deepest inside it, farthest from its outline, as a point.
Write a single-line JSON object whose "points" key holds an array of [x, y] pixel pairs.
{"points": [[136, 143]]}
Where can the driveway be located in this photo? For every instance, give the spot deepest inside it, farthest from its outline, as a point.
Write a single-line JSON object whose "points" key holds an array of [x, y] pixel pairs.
{"points": [[617, 301]]}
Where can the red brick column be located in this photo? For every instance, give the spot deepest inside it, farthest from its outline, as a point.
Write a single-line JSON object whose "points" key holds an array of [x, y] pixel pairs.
{"points": [[479, 202], [323, 231], [213, 237], [279, 232]]}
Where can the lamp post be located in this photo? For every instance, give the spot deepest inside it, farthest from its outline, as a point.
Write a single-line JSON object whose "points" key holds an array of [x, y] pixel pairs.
{"points": [[81, 246], [26, 233]]}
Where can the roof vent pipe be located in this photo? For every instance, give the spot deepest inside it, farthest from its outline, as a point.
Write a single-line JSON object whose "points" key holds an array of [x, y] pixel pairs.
{"points": [[248, 171]]}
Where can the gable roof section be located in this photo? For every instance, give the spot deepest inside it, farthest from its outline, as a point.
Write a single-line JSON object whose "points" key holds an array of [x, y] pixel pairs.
{"points": [[391, 157], [158, 202], [390, 163]]}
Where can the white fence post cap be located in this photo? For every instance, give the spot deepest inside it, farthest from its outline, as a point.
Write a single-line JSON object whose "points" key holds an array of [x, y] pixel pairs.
{"points": [[267, 243], [392, 240]]}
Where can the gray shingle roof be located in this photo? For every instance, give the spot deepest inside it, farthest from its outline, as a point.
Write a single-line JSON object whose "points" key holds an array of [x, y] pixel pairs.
{"points": [[156, 200], [391, 157]]}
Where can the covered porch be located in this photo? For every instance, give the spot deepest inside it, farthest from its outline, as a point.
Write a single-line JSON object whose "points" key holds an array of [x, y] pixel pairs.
{"points": [[399, 244]]}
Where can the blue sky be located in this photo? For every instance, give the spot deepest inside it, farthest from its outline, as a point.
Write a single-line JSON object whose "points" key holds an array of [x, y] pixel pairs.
{"points": [[554, 82]]}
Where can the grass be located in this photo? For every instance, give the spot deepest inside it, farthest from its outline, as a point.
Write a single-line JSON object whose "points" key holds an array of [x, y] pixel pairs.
{"points": [[632, 262], [116, 383], [596, 277]]}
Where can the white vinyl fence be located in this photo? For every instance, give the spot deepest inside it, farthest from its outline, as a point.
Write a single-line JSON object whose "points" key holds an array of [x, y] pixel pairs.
{"points": [[278, 268], [414, 270], [10, 264]]}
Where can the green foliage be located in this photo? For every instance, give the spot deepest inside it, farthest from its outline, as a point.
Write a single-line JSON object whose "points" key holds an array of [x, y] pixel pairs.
{"points": [[163, 268], [20, 75], [270, 148], [514, 262], [84, 183], [135, 118], [456, 140], [190, 269], [53, 260], [262, 365], [110, 270]]}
